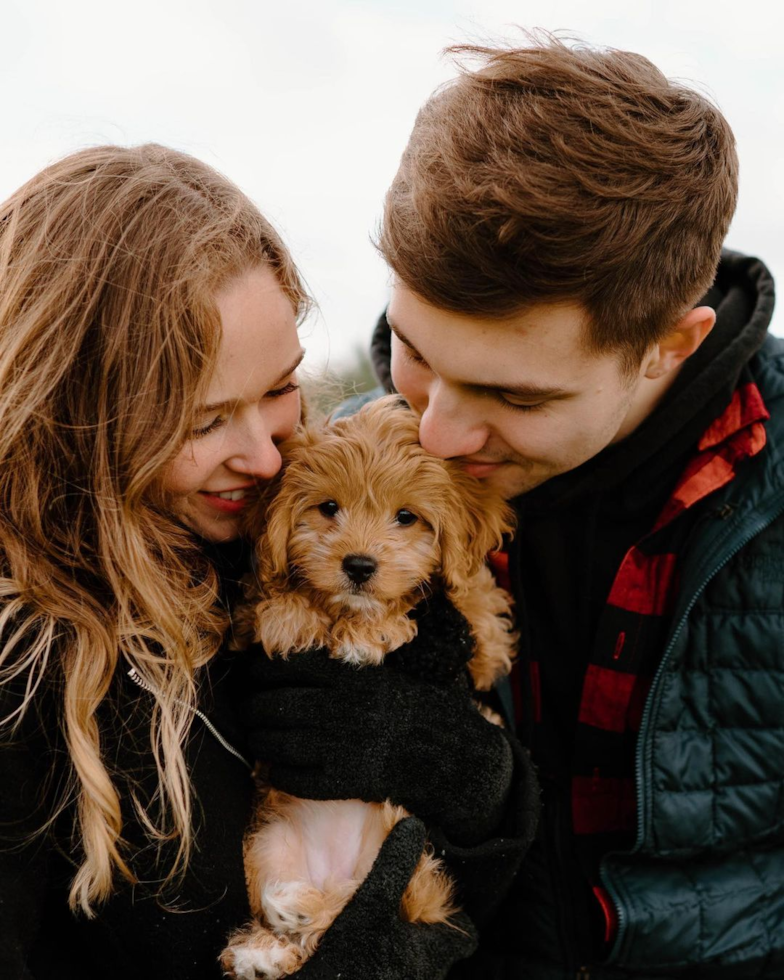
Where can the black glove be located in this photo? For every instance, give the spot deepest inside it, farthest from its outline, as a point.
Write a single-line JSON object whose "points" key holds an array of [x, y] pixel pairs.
{"points": [[406, 731], [369, 940]]}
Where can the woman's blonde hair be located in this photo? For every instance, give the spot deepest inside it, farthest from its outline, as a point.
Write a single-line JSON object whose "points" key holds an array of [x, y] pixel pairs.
{"points": [[109, 263]]}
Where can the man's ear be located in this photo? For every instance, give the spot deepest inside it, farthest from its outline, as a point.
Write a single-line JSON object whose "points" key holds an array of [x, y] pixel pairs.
{"points": [[681, 342]]}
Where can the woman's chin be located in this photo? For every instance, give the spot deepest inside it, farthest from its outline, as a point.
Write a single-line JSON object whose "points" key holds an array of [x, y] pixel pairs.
{"points": [[216, 529]]}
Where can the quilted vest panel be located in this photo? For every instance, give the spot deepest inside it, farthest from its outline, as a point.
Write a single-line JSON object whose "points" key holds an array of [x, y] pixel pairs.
{"points": [[718, 741], [702, 895]]}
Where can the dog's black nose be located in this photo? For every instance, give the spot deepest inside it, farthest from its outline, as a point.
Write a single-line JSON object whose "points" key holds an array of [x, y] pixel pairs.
{"points": [[359, 568]]}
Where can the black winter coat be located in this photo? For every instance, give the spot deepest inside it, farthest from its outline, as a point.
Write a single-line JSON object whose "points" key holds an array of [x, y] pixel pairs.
{"points": [[137, 932]]}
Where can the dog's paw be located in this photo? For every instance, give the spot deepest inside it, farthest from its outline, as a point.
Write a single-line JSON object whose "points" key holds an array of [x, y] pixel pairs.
{"points": [[284, 904], [360, 656], [356, 645], [360, 646], [489, 715], [261, 955], [397, 632]]}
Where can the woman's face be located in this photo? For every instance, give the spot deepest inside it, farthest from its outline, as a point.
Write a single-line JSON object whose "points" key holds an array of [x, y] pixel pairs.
{"points": [[252, 404]]}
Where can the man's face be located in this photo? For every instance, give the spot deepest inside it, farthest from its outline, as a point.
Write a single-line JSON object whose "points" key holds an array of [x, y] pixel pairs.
{"points": [[516, 401]]}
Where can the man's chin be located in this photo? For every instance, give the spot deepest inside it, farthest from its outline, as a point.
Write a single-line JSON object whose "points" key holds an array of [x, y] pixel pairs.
{"points": [[512, 479]]}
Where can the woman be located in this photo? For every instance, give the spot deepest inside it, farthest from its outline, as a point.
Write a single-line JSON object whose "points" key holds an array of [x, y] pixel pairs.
{"points": [[148, 351]]}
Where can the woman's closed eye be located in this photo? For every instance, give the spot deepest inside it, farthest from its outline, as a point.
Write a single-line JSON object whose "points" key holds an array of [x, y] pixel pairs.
{"points": [[204, 430], [285, 390], [199, 431]]}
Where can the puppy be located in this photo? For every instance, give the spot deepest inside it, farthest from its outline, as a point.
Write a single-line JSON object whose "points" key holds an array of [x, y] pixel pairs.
{"points": [[364, 525]]}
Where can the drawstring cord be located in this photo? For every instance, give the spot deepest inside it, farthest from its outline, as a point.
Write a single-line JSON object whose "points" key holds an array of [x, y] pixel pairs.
{"points": [[145, 684]]}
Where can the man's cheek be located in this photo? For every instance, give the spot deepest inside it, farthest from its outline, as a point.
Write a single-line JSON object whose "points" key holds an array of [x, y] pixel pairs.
{"points": [[403, 378]]}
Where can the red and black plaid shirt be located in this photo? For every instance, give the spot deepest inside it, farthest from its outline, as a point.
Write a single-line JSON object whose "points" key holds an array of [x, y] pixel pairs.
{"points": [[632, 632]]}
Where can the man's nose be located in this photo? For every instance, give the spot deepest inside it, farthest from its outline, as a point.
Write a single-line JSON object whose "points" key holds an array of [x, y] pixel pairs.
{"points": [[449, 427]]}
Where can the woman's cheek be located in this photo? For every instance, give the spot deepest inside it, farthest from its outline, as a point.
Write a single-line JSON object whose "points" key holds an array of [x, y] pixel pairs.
{"points": [[296, 412], [190, 470]]}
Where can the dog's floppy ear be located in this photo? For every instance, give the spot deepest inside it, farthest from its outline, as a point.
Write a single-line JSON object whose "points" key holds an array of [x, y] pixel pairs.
{"points": [[280, 511], [272, 547], [475, 523]]}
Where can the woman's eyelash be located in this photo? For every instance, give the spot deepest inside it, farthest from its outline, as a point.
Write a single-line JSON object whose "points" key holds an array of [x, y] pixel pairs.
{"points": [[219, 420], [285, 390], [204, 430]]}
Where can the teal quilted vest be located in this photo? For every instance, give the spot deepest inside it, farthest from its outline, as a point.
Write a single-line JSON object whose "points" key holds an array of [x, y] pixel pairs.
{"points": [[702, 892]]}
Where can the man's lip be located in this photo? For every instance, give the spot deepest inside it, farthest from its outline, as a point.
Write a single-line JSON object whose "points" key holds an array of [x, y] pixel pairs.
{"points": [[478, 467]]}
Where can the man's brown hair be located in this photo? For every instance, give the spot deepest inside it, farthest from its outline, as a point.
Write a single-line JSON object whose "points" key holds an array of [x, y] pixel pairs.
{"points": [[557, 172]]}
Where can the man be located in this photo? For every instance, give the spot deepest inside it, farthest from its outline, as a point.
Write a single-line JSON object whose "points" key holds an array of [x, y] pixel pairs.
{"points": [[566, 326], [558, 321]]}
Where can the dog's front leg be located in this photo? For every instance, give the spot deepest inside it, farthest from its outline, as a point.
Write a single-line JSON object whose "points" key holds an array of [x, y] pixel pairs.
{"points": [[289, 623]]}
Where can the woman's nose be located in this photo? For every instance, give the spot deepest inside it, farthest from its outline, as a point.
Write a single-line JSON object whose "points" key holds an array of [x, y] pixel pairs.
{"points": [[261, 432], [257, 455]]}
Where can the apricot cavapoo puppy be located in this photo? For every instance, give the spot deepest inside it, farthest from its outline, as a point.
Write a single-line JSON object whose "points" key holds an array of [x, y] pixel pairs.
{"points": [[363, 526]]}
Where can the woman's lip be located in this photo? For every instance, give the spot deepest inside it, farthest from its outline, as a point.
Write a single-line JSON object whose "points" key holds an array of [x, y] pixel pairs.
{"points": [[478, 469], [225, 506], [242, 486]]}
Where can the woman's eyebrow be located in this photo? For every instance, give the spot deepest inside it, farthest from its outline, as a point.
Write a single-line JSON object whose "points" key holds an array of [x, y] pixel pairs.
{"points": [[214, 406], [290, 370]]}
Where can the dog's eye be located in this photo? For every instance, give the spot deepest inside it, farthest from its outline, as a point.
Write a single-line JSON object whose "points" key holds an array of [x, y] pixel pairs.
{"points": [[329, 508], [405, 517]]}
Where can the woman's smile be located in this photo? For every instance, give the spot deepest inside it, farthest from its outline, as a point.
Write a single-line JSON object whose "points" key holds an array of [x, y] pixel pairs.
{"points": [[252, 404]]}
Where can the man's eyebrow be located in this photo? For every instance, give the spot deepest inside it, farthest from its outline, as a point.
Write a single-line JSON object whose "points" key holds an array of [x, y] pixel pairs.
{"points": [[213, 407], [526, 391], [401, 337]]}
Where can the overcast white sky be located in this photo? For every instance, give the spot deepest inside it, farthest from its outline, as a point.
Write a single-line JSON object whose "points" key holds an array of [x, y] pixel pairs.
{"points": [[307, 104]]}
